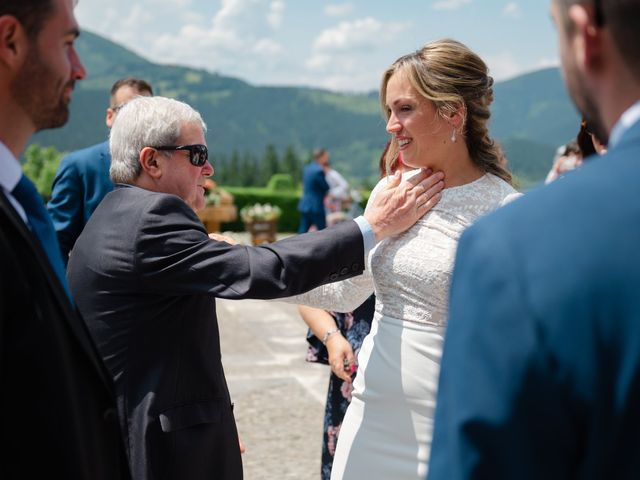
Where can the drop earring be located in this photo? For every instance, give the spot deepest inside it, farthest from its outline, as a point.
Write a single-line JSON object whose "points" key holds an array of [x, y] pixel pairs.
{"points": [[453, 136]]}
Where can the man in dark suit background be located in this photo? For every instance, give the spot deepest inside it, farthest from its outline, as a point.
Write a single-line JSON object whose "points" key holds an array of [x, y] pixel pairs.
{"points": [[57, 408], [83, 180], [145, 275], [540, 374], [314, 189]]}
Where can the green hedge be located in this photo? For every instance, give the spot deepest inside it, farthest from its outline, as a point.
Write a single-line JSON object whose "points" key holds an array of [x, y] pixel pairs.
{"points": [[287, 200]]}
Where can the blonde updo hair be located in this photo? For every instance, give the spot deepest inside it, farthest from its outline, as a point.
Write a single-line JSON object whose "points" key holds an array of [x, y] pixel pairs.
{"points": [[450, 75]]}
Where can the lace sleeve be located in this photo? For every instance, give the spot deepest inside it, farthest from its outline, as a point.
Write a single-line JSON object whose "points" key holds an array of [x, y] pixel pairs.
{"points": [[343, 296]]}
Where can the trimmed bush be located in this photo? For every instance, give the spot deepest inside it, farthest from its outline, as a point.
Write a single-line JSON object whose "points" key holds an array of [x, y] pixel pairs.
{"points": [[286, 200], [280, 182]]}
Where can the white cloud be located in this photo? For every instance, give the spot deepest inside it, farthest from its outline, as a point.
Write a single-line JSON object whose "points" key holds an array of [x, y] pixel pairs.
{"points": [[502, 65], [268, 47], [358, 34], [450, 4], [340, 58], [511, 10], [547, 62], [338, 9], [276, 10]]}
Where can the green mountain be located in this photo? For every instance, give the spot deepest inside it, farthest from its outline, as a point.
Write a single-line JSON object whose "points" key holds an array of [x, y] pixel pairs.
{"points": [[532, 113]]}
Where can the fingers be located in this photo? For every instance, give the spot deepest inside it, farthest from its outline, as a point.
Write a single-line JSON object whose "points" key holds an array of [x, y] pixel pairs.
{"points": [[337, 367], [394, 180], [430, 181], [222, 238], [419, 177]]}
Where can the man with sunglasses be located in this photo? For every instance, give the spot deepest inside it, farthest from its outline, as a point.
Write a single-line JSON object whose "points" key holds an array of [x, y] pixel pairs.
{"points": [[540, 374], [145, 275], [83, 180]]}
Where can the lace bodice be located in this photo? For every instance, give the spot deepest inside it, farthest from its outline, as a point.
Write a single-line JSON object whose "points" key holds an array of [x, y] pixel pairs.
{"points": [[411, 272]]}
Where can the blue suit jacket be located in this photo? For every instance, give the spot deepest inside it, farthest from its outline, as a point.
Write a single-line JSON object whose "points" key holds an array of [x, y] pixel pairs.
{"points": [[314, 188], [80, 184], [540, 373]]}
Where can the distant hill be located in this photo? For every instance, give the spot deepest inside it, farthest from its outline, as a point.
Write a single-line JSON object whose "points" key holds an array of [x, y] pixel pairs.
{"points": [[531, 114]]}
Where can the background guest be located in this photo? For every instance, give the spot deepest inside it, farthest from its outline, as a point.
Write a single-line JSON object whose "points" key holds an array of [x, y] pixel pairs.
{"points": [[83, 180], [314, 189]]}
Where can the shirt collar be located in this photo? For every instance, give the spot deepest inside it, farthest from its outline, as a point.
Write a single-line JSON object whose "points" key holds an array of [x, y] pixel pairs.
{"points": [[10, 171], [624, 123]]}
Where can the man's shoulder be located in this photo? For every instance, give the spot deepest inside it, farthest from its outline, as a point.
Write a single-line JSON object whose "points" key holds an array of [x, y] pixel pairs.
{"points": [[86, 155], [582, 220]]}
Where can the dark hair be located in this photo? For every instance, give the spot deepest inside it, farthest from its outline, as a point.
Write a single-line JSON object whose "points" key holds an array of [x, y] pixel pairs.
{"points": [[32, 14], [318, 152], [620, 18], [584, 140], [137, 83]]}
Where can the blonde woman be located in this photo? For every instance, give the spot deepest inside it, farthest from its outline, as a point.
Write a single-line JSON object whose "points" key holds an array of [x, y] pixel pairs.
{"points": [[436, 102]]}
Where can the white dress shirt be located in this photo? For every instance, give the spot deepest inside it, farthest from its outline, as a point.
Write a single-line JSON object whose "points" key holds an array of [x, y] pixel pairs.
{"points": [[10, 173]]}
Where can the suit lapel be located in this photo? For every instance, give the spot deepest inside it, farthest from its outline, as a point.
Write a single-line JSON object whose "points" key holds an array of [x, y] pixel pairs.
{"points": [[71, 316]]}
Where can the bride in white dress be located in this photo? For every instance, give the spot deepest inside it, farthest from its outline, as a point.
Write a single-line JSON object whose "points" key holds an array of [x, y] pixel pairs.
{"points": [[436, 102]]}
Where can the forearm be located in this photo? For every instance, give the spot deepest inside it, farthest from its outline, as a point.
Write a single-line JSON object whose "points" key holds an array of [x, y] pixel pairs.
{"points": [[318, 320]]}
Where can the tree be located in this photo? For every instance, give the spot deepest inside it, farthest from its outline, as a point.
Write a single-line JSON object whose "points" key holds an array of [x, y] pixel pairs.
{"points": [[41, 165], [270, 164], [292, 165]]}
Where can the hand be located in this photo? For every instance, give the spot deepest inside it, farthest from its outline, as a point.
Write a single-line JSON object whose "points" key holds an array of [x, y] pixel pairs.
{"points": [[402, 203], [222, 238], [341, 354], [242, 447]]}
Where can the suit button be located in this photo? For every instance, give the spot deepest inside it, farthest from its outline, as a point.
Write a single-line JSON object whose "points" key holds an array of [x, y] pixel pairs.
{"points": [[344, 271], [355, 267], [333, 276], [110, 415]]}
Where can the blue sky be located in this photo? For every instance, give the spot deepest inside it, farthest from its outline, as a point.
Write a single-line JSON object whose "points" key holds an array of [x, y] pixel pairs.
{"points": [[338, 45]]}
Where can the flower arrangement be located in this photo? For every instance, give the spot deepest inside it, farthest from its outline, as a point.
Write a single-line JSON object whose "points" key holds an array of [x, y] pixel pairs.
{"points": [[212, 194], [260, 213]]}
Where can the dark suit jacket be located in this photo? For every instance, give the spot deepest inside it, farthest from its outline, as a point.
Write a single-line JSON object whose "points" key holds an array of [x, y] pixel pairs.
{"points": [[57, 406], [540, 374], [80, 184], [314, 189], [145, 276]]}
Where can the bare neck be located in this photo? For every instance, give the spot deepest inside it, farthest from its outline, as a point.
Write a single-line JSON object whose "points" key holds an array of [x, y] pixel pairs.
{"points": [[458, 168], [15, 128]]}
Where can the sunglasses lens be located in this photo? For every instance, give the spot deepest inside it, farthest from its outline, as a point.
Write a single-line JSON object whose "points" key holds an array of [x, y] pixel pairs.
{"points": [[199, 155]]}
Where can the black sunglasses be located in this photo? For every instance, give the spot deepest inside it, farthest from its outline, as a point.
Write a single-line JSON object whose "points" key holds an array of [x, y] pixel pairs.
{"points": [[198, 154]]}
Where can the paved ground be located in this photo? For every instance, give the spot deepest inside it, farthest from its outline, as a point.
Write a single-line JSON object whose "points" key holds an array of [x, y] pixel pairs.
{"points": [[279, 398]]}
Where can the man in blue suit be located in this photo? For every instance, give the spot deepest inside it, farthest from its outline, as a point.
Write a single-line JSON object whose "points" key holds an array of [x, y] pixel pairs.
{"points": [[314, 189], [83, 180], [540, 373]]}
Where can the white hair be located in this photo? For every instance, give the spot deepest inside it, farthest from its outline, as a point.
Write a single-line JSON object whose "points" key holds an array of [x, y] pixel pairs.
{"points": [[146, 122]]}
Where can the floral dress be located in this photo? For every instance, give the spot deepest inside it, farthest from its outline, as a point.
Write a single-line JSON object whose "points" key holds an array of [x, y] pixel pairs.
{"points": [[354, 327]]}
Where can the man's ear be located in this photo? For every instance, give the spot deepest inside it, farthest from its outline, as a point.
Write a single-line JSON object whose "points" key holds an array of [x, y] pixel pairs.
{"points": [[14, 42], [149, 162], [588, 38], [110, 117]]}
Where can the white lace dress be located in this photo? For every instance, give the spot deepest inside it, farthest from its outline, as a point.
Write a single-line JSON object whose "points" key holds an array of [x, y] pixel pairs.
{"points": [[386, 433]]}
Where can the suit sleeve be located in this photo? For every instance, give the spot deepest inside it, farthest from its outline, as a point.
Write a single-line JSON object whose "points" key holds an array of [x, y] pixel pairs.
{"points": [[65, 206], [321, 181], [175, 255], [498, 405]]}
